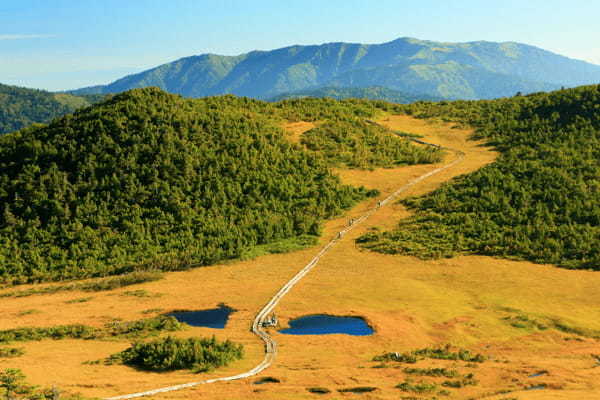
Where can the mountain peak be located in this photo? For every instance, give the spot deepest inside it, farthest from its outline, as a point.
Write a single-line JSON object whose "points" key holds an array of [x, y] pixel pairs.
{"points": [[470, 70]]}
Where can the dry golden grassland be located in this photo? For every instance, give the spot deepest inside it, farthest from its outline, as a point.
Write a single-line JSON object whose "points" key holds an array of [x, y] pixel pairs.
{"points": [[469, 301], [296, 129]]}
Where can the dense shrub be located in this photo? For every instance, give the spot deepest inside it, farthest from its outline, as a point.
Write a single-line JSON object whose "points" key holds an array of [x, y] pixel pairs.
{"points": [[14, 385], [436, 353], [419, 387], [95, 285], [460, 383], [55, 332], [358, 144], [170, 353], [144, 327], [131, 329], [148, 180], [540, 201], [11, 352], [20, 107], [358, 389], [448, 373], [318, 390]]}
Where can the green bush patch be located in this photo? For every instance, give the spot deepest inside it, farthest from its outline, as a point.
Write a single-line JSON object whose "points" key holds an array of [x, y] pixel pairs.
{"points": [[438, 353], [96, 285], [448, 373], [358, 144], [467, 380], [11, 352], [358, 389], [79, 300], [131, 329], [420, 387], [167, 354], [318, 390]]}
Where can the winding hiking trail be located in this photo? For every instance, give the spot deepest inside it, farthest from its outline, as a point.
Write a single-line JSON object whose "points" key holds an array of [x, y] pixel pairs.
{"points": [[257, 325]]}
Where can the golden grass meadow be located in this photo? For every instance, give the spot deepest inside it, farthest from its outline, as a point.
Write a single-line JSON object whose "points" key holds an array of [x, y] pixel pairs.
{"points": [[468, 301]]}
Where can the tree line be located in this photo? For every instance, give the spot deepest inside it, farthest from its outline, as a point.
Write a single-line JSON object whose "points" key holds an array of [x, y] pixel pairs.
{"points": [[540, 201], [149, 180], [21, 107]]}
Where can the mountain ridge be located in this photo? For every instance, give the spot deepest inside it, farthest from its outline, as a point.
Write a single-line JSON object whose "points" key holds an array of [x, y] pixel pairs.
{"points": [[470, 70], [20, 107], [370, 92]]}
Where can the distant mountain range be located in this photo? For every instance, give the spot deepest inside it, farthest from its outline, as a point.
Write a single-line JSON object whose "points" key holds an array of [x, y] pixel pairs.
{"points": [[372, 93], [471, 70]]}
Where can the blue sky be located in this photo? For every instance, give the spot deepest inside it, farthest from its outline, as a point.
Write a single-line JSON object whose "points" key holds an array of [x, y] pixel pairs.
{"points": [[66, 44]]}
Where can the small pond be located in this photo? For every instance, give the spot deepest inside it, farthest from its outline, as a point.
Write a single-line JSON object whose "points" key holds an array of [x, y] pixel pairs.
{"points": [[540, 373], [213, 318], [328, 324]]}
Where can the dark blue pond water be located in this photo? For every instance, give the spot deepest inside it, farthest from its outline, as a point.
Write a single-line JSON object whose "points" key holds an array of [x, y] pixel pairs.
{"points": [[214, 318], [327, 324], [541, 373]]}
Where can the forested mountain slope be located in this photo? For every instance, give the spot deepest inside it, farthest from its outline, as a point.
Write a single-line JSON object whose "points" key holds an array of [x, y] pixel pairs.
{"points": [[20, 107], [371, 93], [151, 180], [450, 70], [539, 201]]}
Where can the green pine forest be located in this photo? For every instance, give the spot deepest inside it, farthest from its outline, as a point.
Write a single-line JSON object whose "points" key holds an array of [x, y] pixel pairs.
{"points": [[147, 180], [20, 107], [150, 180], [359, 144], [540, 201]]}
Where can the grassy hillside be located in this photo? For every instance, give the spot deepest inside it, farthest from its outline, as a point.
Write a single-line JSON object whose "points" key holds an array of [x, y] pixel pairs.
{"points": [[540, 201], [21, 107], [151, 180], [450, 70]]}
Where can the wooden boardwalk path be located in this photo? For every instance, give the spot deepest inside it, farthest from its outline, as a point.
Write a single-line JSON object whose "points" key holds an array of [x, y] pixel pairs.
{"points": [[262, 316]]}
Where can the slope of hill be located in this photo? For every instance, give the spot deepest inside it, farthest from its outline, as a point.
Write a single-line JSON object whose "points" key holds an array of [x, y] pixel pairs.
{"points": [[371, 93], [540, 201], [357, 144], [20, 107], [451, 70], [151, 180], [450, 80]]}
